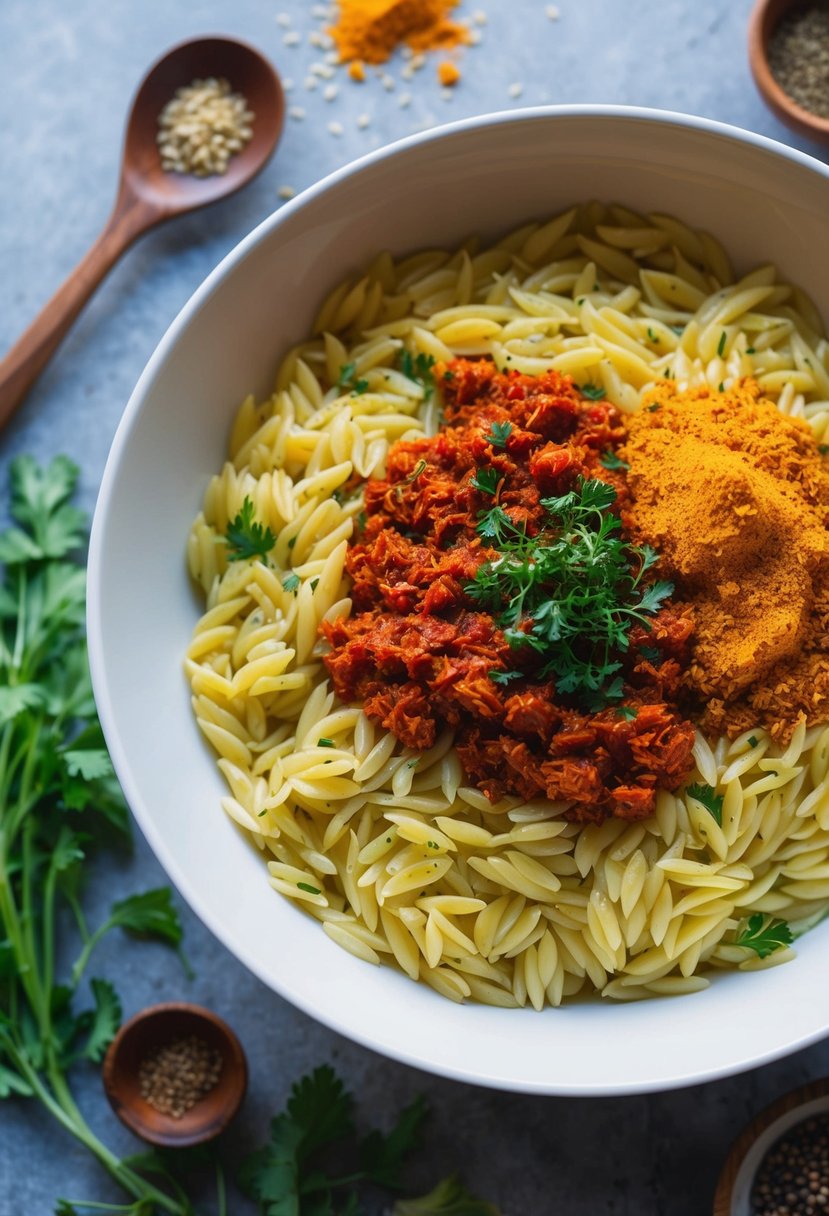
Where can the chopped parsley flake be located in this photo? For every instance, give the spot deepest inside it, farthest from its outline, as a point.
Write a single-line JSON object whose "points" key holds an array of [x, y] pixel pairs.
{"points": [[706, 795], [594, 392], [609, 460]]}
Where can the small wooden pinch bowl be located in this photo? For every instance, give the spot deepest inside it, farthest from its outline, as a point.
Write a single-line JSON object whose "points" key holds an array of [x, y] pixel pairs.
{"points": [[765, 17], [736, 1181], [151, 1030]]}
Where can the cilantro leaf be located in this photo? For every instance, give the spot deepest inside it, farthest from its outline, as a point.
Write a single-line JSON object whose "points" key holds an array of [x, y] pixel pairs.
{"points": [[419, 368], [246, 539], [572, 592], [609, 460], [764, 935], [105, 1020], [86, 762], [381, 1156], [504, 677], [486, 481], [347, 381], [707, 796], [291, 582], [39, 502], [151, 914], [628, 712], [499, 433], [593, 392]]}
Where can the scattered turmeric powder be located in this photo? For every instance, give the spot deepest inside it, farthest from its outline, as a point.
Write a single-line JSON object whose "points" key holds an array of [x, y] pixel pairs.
{"points": [[734, 497], [356, 70], [370, 30], [448, 73]]}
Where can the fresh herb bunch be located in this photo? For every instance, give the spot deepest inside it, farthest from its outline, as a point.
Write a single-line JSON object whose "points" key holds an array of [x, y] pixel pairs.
{"points": [[59, 801], [571, 593], [292, 1176], [418, 368]]}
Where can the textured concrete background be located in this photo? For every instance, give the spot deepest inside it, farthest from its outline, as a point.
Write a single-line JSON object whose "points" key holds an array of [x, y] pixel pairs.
{"points": [[67, 72]]}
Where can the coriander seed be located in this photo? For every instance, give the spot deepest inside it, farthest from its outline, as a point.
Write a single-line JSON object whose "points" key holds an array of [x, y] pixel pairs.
{"points": [[176, 1076]]}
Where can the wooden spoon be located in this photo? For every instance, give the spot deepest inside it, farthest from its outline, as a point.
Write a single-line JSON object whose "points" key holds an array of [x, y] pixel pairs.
{"points": [[147, 194]]}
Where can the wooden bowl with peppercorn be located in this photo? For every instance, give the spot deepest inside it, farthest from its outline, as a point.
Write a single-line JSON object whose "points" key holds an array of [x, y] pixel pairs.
{"points": [[175, 1074], [779, 1164], [788, 46]]}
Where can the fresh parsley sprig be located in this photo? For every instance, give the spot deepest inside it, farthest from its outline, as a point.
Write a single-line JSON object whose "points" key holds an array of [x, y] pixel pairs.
{"points": [[418, 368], [59, 802], [707, 796], [246, 539], [572, 592], [349, 381], [293, 1174], [764, 935]]}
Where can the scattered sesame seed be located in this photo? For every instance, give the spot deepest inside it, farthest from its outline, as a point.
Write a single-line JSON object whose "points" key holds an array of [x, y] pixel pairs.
{"points": [[387, 82], [404, 100], [202, 127], [320, 12], [296, 112], [552, 12], [479, 17], [418, 61], [336, 128], [332, 57], [407, 72], [330, 92], [292, 38], [315, 38], [407, 52], [286, 192], [447, 94], [363, 121], [515, 90], [327, 42], [310, 83], [283, 19], [475, 37], [287, 84]]}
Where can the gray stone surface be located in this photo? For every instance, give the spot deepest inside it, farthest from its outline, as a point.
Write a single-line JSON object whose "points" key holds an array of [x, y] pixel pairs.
{"points": [[67, 71]]}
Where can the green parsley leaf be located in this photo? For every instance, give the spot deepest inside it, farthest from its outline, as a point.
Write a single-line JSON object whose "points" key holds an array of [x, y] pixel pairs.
{"points": [[653, 407], [707, 796], [325, 742], [419, 368], [753, 740], [381, 1156], [291, 582], [305, 886], [721, 343], [449, 1198], [628, 712], [246, 539], [499, 433], [570, 593], [750, 350], [764, 935], [651, 654], [609, 460], [486, 481], [594, 392], [449, 374], [653, 336], [104, 1022], [504, 677], [347, 381], [150, 914], [823, 448], [51, 528]]}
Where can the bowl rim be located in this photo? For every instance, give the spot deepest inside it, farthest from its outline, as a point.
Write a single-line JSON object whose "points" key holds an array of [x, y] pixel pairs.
{"points": [[178, 875]]}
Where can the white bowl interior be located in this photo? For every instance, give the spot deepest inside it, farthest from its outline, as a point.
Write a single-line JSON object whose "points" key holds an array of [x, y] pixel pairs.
{"points": [[765, 203]]}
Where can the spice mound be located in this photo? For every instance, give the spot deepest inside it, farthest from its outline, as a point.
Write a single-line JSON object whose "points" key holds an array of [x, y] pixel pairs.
{"points": [[179, 1074], [799, 56], [734, 497], [370, 30], [793, 1177], [495, 593], [202, 127]]}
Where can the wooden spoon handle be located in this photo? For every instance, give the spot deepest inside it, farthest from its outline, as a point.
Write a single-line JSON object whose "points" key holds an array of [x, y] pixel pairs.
{"points": [[30, 354]]}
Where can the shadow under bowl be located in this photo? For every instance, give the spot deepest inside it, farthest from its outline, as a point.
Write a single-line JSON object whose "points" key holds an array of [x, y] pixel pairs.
{"points": [[150, 1031]]}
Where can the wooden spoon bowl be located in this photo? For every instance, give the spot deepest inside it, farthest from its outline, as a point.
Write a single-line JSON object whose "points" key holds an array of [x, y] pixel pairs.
{"points": [[157, 1027], [148, 194]]}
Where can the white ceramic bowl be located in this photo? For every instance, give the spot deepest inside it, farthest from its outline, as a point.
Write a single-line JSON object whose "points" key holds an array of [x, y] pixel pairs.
{"points": [[766, 203]]}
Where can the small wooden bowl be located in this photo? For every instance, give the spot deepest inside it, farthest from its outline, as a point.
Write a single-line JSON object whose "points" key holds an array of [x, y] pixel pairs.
{"points": [[152, 1029], [733, 1194], [764, 19]]}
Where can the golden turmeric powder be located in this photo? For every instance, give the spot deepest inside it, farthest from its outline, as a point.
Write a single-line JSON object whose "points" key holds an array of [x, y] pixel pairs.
{"points": [[733, 495], [370, 30]]}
